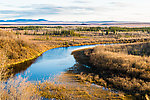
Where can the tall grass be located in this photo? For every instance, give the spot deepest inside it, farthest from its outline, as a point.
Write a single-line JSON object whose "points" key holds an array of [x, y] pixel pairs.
{"points": [[124, 67], [21, 89], [14, 49], [16, 89]]}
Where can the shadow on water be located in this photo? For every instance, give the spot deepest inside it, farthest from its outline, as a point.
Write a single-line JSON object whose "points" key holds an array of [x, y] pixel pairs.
{"points": [[15, 69]]}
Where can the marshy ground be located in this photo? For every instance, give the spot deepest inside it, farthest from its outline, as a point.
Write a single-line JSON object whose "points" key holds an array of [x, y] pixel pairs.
{"points": [[123, 67], [120, 67]]}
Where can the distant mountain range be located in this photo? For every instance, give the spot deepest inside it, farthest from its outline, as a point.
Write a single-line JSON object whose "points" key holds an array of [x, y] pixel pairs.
{"points": [[24, 20], [47, 22], [43, 20]]}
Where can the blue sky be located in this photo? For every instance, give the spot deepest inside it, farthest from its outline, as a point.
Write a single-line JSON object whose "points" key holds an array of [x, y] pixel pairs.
{"points": [[76, 10]]}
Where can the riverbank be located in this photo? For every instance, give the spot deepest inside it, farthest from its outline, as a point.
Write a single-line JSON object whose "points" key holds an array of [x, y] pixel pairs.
{"points": [[62, 88], [19, 50], [124, 67], [21, 43], [48, 89], [67, 45]]}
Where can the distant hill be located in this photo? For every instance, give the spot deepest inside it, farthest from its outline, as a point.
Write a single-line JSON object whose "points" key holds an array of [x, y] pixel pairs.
{"points": [[24, 20], [100, 21], [43, 20], [47, 22]]}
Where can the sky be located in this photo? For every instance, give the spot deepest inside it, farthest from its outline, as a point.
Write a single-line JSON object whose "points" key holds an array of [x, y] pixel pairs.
{"points": [[76, 10]]}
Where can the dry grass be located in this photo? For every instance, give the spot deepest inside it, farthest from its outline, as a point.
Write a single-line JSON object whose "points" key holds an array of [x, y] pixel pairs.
{"points": [[18, 48], [21, 89], [65, 87], [124, 67], [13, 49], [18, 90]]}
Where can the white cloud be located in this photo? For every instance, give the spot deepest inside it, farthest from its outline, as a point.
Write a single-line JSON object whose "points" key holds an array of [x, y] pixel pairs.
{"points": [[123, 10]]}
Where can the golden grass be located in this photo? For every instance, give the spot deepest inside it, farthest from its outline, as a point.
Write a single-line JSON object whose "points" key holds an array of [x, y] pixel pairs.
{"points": [[59, 89], [66, 87], [17, 89], [124, 67], [15, 50], [20, 48]]}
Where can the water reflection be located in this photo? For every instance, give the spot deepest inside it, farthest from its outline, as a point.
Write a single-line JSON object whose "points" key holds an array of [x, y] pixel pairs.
{"points": [[51, 63], [6, 73]]}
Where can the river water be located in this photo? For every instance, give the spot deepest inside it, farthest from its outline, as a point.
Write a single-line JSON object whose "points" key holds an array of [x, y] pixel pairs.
{"points": [[50, 63]]}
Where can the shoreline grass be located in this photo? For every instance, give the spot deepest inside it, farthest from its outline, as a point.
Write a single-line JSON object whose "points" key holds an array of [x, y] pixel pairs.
{"points": [[82, 44], [61, 88], [118, 66], [18, 48], [15, 49]]}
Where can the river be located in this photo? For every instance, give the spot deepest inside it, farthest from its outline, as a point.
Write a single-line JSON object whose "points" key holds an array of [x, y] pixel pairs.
{"points": [[50, 63]]}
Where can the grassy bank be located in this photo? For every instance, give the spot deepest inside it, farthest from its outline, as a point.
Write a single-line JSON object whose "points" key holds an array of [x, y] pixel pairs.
{"points": [[15, 50], [123, 67], [22, 49], [21, 89]]}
